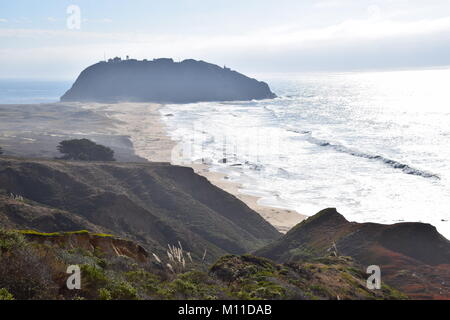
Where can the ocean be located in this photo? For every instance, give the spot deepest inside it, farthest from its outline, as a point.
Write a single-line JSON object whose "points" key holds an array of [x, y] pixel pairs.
{"points": [[16, 91], [374, 145]]}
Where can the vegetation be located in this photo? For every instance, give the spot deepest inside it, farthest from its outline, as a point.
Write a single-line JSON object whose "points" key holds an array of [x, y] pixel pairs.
{"points": [[37, 270], [251, 277], [50, 234], [392, 247], [24, 271], [5, 294], [84, 150]]}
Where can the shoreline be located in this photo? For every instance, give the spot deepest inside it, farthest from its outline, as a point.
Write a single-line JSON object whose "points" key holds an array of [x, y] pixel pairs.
{"points": [[282, 219], [161, 149]]}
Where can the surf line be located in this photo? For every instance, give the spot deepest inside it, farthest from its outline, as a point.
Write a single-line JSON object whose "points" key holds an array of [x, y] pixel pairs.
{"points": [[392, 163]]}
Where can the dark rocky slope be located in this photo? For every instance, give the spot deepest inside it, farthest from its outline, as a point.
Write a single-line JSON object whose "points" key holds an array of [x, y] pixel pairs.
{"points": [[413, 257], [163, 80], [155, 204]]}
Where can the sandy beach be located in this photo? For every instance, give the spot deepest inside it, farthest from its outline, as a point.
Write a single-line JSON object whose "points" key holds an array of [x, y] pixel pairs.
{"points": [[281, 219], [151, 141]]}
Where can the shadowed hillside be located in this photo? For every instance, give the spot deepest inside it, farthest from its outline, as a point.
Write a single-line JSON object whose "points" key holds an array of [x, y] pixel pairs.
{"points": [[155, 204], [413, 257], [163, 80]]}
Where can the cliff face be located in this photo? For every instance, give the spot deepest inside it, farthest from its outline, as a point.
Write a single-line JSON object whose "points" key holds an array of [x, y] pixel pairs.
{"points": [[155, 204], [163, 80], [90, 242], [413, 257]]}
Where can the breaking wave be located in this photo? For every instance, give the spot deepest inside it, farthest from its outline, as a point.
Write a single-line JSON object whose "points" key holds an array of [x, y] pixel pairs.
{"points": [[392, 163]]}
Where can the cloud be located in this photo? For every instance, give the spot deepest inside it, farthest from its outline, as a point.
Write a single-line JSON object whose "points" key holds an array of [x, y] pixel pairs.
{"points": [[349, 30], [329, 4], [101, 20], [106, 20], [22, 20], [372, 40], [3, 20]]}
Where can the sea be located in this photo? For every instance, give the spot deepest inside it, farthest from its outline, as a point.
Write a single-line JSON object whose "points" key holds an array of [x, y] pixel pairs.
{"points": [[16, 91], [374, 145]]}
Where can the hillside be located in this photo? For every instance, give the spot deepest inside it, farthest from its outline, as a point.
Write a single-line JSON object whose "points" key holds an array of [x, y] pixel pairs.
{"points": [[125, 222], [163, 80], [155, 204], [33, 266], [413, 257]]}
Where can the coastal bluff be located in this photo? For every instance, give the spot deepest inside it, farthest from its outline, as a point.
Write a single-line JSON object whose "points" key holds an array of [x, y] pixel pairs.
{"points": [[413, 256], [165, 81]]}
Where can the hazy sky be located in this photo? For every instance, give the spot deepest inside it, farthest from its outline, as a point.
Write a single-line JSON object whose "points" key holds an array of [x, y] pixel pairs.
{"points": [[247, 35]]}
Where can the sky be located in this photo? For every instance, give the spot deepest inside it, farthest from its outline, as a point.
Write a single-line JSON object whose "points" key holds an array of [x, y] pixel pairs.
{"points": [[41, 39]]}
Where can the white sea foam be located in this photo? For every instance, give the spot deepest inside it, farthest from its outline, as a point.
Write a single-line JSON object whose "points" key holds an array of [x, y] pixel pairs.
{"points": [[374, 145]]}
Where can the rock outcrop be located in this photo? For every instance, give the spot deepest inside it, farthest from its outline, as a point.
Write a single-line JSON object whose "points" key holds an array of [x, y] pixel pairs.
{"points": [[413, 257], [331, 278], [163, 80]]}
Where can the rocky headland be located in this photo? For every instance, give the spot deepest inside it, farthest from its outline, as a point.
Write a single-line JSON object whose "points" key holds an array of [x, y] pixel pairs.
{"points": [[164, 81]]}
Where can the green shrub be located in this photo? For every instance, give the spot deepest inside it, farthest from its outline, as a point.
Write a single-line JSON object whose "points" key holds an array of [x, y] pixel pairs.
{"points": [[23, 271], [123, 291], [104, 294], [10, 240], [93, 276], [184, 287], [268, 291], [146, 282], [5, 294]]}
